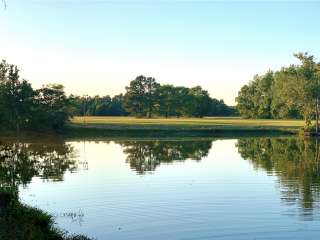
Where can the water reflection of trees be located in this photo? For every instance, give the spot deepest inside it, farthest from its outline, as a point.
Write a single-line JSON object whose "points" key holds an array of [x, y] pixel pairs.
{"points": [[295, 161], [145, 156], [20, 162]]}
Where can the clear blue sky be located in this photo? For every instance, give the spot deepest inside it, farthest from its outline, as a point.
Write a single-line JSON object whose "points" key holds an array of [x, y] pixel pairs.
{"points": [[98, 46]]}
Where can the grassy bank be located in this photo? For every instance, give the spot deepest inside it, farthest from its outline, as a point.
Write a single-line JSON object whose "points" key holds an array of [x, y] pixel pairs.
{"points": [[160, 127], [21, 222], [126, 126]]}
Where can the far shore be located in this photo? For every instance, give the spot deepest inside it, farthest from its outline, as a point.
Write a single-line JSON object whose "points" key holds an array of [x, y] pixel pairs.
{"points": [[131, 127], [183, 127]]}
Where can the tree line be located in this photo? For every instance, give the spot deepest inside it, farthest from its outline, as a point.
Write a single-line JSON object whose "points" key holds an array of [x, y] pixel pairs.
{"points": [[23, 107], [99, 106], [145, 97], [291, 92]]}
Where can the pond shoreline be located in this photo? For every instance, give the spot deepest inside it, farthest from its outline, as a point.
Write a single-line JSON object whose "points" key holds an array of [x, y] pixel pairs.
{"points": [[180, 127], [79, 132], [19, 221], [172, 127], [173, 131]]}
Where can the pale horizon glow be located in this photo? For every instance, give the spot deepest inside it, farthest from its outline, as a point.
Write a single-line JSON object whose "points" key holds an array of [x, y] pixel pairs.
{"points": [[98, 47]]}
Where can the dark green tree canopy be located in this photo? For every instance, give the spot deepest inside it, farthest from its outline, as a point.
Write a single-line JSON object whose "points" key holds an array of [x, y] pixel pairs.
{"points": [[22, 107], [141, 96], [145, 97], [292, 92]]}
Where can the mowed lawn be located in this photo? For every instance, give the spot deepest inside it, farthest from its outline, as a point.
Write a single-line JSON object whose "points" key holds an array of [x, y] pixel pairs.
{"points": [[185, 123]]}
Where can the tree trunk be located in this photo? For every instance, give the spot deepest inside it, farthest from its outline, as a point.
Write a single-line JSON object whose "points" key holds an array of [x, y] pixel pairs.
{"points": [[317, 116], [317, 156], [150, 110], [305, 122], [18, 129], [17, 120]]}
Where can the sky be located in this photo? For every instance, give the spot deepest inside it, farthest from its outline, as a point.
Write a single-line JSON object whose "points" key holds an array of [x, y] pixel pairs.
{"points": [[98, 46]]}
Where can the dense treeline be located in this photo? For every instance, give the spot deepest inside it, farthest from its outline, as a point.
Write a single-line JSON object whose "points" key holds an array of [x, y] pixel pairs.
{"points": [[292, 92], [21, 106], [99, 106], [145, 97]]}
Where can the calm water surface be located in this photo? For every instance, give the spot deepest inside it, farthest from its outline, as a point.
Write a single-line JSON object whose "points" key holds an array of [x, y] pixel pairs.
{"points": [[250, 188]]}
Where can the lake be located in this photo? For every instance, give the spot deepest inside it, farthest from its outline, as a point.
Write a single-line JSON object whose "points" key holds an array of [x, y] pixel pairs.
{"points": [[247, 188]]}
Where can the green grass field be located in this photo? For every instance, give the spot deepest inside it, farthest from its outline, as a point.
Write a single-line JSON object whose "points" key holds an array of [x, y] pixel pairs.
{"points": [[218, 124]]}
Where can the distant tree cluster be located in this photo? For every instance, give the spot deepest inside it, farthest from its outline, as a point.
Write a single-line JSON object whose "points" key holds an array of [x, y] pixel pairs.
{"points": [[21, 106], [292, 92], [145, 97], [99, 106]]}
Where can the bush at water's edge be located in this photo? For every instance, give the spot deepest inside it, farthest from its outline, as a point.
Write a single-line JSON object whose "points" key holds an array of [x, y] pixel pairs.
{"points": [[18, 221]]}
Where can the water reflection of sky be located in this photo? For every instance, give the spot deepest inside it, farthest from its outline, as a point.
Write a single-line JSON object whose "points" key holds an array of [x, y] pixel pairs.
{"points": [[220, 197]]}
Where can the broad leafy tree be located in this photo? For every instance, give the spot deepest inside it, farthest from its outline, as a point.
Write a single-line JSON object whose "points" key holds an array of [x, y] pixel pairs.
{"points": [[22, 107], [292, 92], [52, 106], [254, 99], [141, 96], [16, 98]]}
